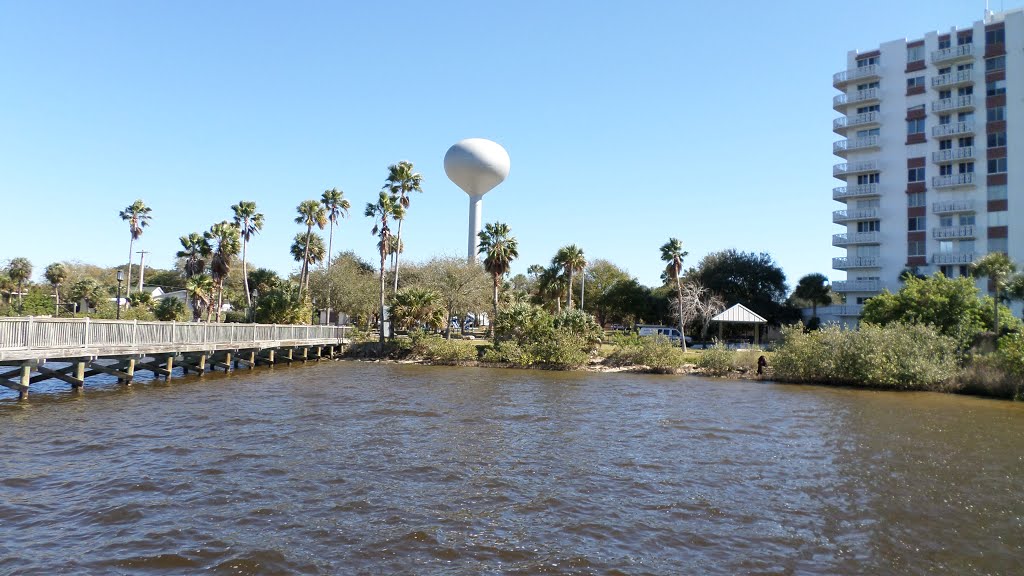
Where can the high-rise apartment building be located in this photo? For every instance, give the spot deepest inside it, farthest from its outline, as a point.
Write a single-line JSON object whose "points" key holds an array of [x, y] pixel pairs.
{"points": [[933, 155]]}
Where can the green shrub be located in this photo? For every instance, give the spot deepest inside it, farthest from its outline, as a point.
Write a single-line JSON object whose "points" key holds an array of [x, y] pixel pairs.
{"points": [[528, 335], [449, 352], [716, 361], [987, 375], [656, 352], [171, 309], [579, 323], [902, 356]]}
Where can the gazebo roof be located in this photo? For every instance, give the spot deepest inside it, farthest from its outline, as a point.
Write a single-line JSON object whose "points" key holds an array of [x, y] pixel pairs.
{"points": [[739, 314]]}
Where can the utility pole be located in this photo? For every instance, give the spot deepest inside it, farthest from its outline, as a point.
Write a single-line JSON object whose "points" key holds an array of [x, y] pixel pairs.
{"points": [[142, 266]]}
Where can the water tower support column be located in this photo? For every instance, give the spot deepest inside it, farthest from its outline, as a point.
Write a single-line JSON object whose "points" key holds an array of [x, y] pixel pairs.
{"points": [[476, 204]]}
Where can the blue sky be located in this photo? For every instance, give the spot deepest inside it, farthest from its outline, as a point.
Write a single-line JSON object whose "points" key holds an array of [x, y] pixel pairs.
{"points": [[626, 123]]}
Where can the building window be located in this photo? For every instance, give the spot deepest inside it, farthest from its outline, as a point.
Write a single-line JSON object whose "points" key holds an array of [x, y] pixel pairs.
{"points": [[997, 192], [945, 221], [865, 62], [995, 88], [868, 251], [945, 119], [965, 117], [996, 114], [867, 86], [916, 223], [869, 226], [965, 271], [997, 36], [945, 70], [915, 126], [964, 38], [946, 170], [869, 132], [997, 218], [946, 246], [997, 63], [944, 43], [964, 67], [965, 141], [916, 248], [966, 167], [915, 175], [915, 53], [946, 271], [996, 165], [945, 94], [997, 245], [996, 139], [915, 82], [965, 91], [967, 219], [946, 144], [915, 199], [866, 109], [868, 178]]}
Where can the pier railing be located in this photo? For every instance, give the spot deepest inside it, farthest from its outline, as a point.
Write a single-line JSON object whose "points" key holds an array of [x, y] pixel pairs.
{"points": [[85, 333]]}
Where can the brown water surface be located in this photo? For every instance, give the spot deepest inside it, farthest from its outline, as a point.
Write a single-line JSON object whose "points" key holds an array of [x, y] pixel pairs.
{"points": [[349, 468]]}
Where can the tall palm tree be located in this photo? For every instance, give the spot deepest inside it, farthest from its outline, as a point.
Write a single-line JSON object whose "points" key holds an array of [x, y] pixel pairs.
{"points": [[551, 284], [249, 223], [814, 289], [501, 247], [226, 239], [998, 268], [400, 183], [19, 270], [337, 207], [672, 253], [195, 250], [572, 260], [311, 248], [56, 274], [383, 210], [199, 288], [137, 215], [311, 213]]}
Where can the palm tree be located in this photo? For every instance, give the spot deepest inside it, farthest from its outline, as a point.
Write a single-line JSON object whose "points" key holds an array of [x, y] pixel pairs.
{"points": [[89, 290], [400, 183], [501, 247], [200, 292], [672, 253], [56, 274], [249, 223], [311, 213], [195, 250], [227, 239], [572, 260], [337, 207], [137, 215], [19, 270], [311, 248], [417, 307], [814, 289], [551, 284], [998, 268], [384, 209]]}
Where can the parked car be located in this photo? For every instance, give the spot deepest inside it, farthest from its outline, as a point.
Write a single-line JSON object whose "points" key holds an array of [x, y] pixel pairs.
{"points": [[666, 331]]}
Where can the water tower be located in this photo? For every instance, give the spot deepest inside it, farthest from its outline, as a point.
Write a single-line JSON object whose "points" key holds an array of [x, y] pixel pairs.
{"points": [[476, 165]]}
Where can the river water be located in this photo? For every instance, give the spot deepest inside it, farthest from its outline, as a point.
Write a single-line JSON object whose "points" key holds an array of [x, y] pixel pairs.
{"points": [[354, 468]]}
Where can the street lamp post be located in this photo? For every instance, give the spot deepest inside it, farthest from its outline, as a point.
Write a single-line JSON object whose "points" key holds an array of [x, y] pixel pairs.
{"points": [[120, 280]]}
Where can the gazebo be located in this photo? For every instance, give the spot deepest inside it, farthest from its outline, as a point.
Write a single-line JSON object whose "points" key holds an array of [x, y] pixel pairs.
{"points": [[740, 314]]}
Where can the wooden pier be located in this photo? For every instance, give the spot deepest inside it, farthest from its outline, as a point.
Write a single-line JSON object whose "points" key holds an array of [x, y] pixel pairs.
{"points": [[71, 350]]}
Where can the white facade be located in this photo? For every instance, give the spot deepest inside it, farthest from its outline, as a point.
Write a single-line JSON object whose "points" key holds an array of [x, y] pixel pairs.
{"points": [[931, 156]]}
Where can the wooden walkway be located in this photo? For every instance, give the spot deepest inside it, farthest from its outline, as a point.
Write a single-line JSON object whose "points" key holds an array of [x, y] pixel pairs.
{"points": [[76, 348]]}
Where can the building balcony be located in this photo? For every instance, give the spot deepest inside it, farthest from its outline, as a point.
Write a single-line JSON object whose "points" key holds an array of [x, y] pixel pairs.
{"points": [[844, 147], [953, 155], [953, 53], [856, 238], [841, 79], [841, 101], [844, 216], [849, 310], [953, 180], [953, 206], [841, 125], [857, 286], [844, 193], [953, 79], [952, 257], [954, 104], [845, 263], [844, 169], [952, 129], [950, 232]]}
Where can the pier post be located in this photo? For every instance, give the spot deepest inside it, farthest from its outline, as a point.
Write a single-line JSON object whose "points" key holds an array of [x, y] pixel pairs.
{"points": [[129, 371], [79, 375], [26, 378], [169, 366]]}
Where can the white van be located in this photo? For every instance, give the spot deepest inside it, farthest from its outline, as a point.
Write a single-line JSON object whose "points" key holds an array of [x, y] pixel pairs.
{"points": [[666, 331]]}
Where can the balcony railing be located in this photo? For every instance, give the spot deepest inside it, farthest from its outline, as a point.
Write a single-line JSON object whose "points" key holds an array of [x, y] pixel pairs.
{"points": [[859, 73], [853, 310], [853, 238], [953, 154], [842, 147], [952, 129], [857, 286], [946, 232], [846, 263], [966, 179], [953, 206], [844, 169], [841, 216], [965, 102], [952, 53], [951, 79], [842, 193], [952, 257], [840, 125]]}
